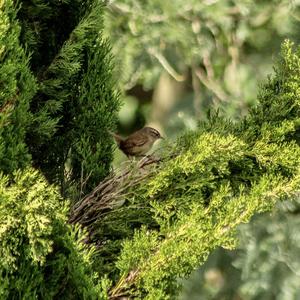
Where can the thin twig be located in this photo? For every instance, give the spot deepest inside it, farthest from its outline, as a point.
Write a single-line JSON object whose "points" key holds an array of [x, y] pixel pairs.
{"points": [[166, 65], [211, 85], [110, 193]]}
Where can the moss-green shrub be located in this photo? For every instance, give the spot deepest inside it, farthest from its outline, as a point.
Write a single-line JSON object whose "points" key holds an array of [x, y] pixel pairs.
{"points": [[41, 256]]}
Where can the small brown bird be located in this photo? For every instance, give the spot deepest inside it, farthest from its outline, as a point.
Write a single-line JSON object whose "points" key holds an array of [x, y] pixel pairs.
{"points": [[139, 142]]}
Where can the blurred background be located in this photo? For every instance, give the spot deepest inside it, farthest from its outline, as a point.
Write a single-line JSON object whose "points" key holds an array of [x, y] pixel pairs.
{"points": [[177, 60]]}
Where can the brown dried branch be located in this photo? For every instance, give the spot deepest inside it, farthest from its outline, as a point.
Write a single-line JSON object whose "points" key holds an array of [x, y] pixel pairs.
{"points": [[9, 104], [165, 64], [120, 290], [110, 193], [211, 85]]}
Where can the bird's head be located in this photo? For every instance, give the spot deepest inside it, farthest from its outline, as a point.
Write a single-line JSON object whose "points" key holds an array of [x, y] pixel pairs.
{"points": [[155, 135]]}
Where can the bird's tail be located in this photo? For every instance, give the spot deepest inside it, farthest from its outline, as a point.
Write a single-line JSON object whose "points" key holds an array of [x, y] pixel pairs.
{"points": [[117, 138]]}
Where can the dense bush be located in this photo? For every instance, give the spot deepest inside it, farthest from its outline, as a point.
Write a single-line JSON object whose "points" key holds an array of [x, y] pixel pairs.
{"points": [[17, 87], [208, 183], [75, 102], [41, 256], [57, 101], [165, 218]]}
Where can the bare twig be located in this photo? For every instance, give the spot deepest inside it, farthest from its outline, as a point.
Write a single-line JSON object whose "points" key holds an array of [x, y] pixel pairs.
{"points": [[83, 181], [110, 193], [197, 94], [166, 65], [211, 85]]}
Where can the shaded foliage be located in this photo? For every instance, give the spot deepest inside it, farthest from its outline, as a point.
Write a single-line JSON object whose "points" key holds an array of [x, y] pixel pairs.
{"points": [[17, 87], [73, 108], [41, 96]]}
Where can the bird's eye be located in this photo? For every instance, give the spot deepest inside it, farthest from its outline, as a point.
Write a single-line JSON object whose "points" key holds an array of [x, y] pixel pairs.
{"points": [[156, 133]]}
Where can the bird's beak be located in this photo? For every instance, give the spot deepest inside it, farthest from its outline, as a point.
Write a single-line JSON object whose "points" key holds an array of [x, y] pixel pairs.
{"points": [[162, 138]]}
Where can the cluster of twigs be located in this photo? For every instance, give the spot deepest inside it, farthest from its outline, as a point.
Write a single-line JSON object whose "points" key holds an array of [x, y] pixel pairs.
{"points": [[110, 195], [111, 192]]}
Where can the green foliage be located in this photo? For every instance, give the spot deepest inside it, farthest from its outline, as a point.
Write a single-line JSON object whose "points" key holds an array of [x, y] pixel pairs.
{"points": [[41, 255], [45, 27], [218, 178], [279, 121], [65, 123], [225, 46], [17, 87], [269, 262], [265, 266], [92, 150], [51, 110], [208, 183], [73, 107]]}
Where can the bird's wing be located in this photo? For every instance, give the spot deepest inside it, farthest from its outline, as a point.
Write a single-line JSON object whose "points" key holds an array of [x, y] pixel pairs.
{"points": [[137, 139]]}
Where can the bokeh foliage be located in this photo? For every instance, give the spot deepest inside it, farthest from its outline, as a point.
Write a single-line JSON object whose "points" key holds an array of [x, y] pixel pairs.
{"points": [[218, 50], [270, 254]]}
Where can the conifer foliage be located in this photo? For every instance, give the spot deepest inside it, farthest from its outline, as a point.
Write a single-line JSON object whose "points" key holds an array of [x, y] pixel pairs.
{"points": [[56, 85], [41, 257], [215, 179], [17, 87], [75, 103], [165, 217]]}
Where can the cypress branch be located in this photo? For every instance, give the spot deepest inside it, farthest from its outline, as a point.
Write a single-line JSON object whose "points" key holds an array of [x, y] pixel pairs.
{"points": [[183, 207], [76, 102], [17, 87], [42, 257]]}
